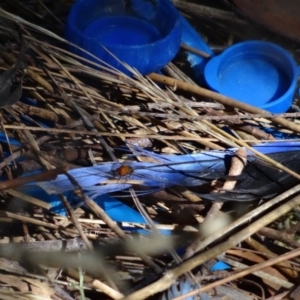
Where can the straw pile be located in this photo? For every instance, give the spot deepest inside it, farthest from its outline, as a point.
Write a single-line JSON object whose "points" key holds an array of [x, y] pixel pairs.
{"points": [[73, 116]]}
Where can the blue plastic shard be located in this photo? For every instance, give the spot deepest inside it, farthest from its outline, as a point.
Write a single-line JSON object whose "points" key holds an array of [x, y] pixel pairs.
{"points": [[12, 141], [114, 208], [183, 287], [220, 266], [192, 38]]}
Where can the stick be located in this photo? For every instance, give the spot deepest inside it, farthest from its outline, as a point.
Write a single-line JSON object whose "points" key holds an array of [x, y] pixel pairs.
{"points": [[197, 90]]}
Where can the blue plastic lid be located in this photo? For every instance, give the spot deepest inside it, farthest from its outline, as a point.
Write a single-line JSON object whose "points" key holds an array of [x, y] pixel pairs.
{"points": [[258, 73], [144, 34]]}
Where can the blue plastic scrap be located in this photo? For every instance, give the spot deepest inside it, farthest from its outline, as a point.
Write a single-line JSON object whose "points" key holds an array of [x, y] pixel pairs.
{"points": [[192, 38], [188, 171], [185, 170], [183, 287]]}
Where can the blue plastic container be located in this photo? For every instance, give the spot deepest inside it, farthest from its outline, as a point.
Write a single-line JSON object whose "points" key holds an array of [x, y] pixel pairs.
{"points": [[144, 34], [258, 73]]}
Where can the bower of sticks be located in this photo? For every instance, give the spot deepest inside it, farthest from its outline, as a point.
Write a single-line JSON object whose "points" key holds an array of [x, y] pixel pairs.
{"points": [[140, 187]]}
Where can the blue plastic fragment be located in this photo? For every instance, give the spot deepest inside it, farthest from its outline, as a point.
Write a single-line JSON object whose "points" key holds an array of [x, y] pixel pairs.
{"points": [[29, 101], [119, 211], [220, 266], [115, 209], [12, 141], [192, 38], [182, 287], [29, 121], [278, 134], [183, 170]]}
